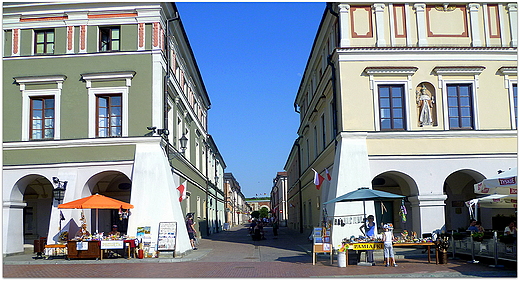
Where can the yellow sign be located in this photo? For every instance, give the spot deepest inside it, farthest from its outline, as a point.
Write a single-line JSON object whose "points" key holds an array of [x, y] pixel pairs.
{"points": [[365, 246]]}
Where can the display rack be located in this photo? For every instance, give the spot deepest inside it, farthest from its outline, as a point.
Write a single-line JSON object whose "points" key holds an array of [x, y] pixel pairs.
{"points": [[321, 241]]}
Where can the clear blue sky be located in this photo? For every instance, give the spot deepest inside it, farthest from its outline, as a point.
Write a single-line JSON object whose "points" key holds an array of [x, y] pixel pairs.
{"points": [[252, 56]]}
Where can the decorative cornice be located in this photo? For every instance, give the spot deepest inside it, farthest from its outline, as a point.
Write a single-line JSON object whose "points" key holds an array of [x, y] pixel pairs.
{"points": [[404, 70], [456, 70], [108, 76], [40, 79], [508, 70], [443, 134], [78, 143]]}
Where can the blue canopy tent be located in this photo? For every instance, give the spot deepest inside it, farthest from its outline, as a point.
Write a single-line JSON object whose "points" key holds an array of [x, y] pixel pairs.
{"points": [[365, 194]]}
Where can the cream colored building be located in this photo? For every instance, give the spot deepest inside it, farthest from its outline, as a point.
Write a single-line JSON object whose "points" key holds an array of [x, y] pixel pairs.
{"points": [[417, 99]]}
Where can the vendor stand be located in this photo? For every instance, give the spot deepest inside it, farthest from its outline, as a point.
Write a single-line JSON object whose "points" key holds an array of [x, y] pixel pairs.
{"points": [[85, 245]]}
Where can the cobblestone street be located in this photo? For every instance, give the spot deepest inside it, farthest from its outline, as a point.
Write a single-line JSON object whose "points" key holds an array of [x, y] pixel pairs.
{"points": [[233, 254]]}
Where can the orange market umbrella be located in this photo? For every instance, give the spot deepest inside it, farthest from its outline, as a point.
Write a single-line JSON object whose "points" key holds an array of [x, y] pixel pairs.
{"points": [[97, 202]]}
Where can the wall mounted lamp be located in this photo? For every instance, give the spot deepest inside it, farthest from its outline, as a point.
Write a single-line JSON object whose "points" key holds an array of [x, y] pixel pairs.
{"points": [[59, 191]]}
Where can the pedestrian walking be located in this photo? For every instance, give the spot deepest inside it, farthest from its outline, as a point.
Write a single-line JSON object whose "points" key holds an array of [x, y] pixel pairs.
{"points": [[190, 226]]}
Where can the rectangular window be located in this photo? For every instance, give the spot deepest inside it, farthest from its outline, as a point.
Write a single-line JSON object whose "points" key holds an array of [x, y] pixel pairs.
{"points": [[515, 104], [460, 106], [391, 107], [109, 38], [109, 116], [42, 118], [44, 42], [323, 132]]}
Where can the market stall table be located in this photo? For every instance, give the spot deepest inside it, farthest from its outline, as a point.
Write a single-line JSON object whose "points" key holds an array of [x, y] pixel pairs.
{"points": [[84, 249], [96, 248], [379, 246]]}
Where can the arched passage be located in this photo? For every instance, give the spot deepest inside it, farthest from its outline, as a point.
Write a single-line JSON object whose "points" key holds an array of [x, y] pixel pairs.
{"points": [[31, 216], [113, 184], [387, 211], [458, 186]]}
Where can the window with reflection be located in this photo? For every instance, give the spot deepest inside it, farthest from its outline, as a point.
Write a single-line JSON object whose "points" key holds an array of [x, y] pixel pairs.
{"points": [[109, 115], [460, 106], [109, 38], [42, 118], [44, 42], [391, 107]]}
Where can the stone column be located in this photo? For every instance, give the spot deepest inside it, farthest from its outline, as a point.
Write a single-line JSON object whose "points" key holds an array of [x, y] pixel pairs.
{"points": [[431, 213], [344, 25], [474, 24], [420, 10], [513, 21], [379, 9]]}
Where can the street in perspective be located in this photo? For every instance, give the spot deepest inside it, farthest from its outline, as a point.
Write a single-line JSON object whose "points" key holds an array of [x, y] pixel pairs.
{"points": [[259, 139], [234, 254]]}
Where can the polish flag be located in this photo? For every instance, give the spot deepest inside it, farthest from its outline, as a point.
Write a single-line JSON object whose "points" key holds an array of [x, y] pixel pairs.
{"points": [[182, 191], [329, 178], [318, 180]]}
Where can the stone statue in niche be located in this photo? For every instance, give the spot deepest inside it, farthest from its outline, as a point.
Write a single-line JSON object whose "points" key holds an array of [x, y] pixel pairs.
{"points": [[425, 102]]}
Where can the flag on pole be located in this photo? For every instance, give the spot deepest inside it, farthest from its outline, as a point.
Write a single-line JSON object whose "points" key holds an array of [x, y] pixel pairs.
{"points": [[318, 179], [329, 178], [182, 191]]}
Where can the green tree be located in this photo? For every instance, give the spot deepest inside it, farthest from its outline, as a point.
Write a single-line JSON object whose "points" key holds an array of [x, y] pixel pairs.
{"points": [[255, 214], [264, 212]]}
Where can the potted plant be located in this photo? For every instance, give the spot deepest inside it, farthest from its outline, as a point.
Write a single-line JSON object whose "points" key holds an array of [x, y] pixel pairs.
{"points": [[458, 236], [477, 236]]}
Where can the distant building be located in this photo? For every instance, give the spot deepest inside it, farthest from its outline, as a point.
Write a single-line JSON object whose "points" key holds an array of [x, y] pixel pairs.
{"points": [[417, 99], [279, 197], [236, 208]]}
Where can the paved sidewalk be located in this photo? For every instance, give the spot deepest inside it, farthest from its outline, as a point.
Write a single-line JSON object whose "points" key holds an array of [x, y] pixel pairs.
{"points": [[233, 254]]}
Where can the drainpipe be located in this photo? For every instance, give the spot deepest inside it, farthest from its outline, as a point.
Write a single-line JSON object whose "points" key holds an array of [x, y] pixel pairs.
{"points": [[166, 79], [297, 143], [333, 79]]}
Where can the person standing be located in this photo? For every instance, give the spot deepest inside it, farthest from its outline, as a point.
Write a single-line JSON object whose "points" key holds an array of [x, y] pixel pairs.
{"points": [[388, 239], [275, 227], [368, 229], [190, 226]]}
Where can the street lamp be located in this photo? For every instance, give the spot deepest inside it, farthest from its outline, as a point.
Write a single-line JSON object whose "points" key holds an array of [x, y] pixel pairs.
{"points": [[184, 143], [59, 192]]}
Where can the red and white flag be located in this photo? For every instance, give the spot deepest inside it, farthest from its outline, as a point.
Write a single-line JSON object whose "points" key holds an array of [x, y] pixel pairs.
{"points": [[329, 178], [182, 191], [318, 179]]}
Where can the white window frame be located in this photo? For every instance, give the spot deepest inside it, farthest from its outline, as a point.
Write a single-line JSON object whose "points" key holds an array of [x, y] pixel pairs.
{"points": [[375, 94], [508, 84], [443, 74], [512, 102], [28, 94], [92, 94]]}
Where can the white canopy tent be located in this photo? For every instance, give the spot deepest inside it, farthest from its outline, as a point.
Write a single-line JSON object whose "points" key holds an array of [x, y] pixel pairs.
{"points": [[501, 192], [504, 183]]}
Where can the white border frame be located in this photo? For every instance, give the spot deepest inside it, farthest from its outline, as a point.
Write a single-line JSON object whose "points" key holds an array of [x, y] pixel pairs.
{"points": [[92, 93], [26, 111], [474, 86], [375, 95], [512, 101]]}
